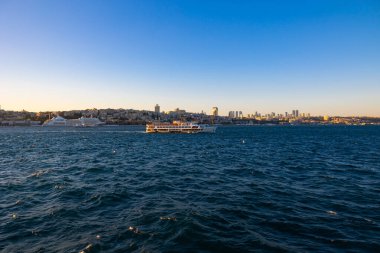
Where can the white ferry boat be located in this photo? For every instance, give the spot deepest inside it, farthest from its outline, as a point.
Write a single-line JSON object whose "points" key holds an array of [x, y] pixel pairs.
{"points": [[81, 122], [179, 127], [55, 121]]}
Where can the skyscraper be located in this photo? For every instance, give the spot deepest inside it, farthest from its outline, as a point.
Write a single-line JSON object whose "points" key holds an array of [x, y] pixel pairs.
{"points": [[157, 109]]}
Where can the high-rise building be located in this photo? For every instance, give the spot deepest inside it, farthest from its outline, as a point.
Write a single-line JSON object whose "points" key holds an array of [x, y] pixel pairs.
{"points": [[297, 114], [286, 114], [214, 111], [157, 109], [231, 114]]}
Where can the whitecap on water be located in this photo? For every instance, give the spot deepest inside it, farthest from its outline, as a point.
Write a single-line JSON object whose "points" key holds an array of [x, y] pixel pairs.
{"points": [[35, 232], [168, 218], [58, 186], [134, 230], [39, 173], [369, 220], [87, 249], [332, 212]]}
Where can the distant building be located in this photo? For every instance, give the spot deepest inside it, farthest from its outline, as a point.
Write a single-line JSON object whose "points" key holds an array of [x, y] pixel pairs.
{"points": [[326, 118], [157, 109], [214, 111], [231, 114]]}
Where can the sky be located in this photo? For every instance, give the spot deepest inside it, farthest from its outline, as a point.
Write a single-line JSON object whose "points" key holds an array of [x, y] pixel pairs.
{"points": [[320, 57]]}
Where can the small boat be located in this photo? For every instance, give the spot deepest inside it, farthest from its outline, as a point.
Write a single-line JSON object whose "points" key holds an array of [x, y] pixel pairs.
{"points": [[179, 127]]}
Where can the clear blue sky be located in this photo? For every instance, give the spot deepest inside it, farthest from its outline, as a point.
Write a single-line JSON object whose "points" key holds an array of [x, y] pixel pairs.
{"points": [[321, 57]]}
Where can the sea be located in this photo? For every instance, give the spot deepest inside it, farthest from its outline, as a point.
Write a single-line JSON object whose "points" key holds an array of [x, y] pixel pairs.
{"points": [[242, 189]]}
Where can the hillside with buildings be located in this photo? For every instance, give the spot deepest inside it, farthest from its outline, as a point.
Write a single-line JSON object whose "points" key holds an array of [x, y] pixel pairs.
{"points": [[141, 117]]}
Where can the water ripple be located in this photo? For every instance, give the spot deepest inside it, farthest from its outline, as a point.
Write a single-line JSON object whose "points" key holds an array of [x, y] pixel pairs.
{"points": [[259, 189]]}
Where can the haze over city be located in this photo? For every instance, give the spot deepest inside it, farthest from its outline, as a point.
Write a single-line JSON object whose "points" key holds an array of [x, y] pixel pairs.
{"points": [[321, 57]]}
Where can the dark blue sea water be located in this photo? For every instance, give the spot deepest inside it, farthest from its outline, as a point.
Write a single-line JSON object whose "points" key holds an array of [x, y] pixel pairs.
{"points": [[243, 189]]}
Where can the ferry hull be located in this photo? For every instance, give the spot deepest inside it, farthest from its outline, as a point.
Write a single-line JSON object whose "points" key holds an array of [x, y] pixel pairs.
{"points": [[183, 128]]}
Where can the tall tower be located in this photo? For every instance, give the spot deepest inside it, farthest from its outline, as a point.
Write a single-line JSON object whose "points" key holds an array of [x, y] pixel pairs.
{"points": [[214, 111], [157, 109]]}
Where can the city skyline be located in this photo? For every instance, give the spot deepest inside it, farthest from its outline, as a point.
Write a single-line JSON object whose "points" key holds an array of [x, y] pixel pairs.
{"points": [[214, 111], [318, 57]]}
